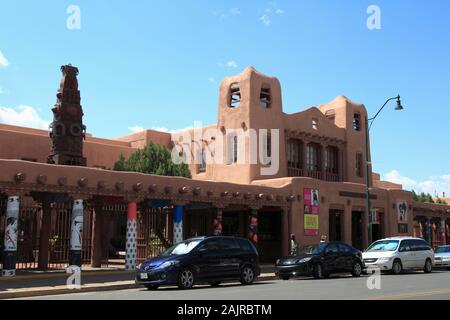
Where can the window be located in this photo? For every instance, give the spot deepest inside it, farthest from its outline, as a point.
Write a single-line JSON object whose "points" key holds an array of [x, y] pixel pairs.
{"points": [[212, 245], [232, 149], [314, 123], [312, 157], [229, 244], [405, 246], [202, 164], [332, 249], [294, 156], [264, 98], [267, 145], [357, 122], [359, 165], [235, 96], [402, 228], [344, 248], [331, 160]]}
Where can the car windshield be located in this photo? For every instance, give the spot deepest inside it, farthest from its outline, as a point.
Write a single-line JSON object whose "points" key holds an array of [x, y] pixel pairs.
{"points": [[313, 249], [181, 248], [385, 245], [442, 250]]}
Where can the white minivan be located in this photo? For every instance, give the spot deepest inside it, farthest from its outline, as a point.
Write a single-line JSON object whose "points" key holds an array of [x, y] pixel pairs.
{"points": [[399, 253]]}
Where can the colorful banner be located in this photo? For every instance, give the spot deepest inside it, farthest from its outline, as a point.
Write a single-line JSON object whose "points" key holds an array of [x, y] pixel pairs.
{"points": [[311, 224], [402, 211], [311, 211], [374, 217]]}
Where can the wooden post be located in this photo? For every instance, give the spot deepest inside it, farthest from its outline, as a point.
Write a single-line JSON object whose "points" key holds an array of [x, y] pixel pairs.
{"points": [[44, 236]]}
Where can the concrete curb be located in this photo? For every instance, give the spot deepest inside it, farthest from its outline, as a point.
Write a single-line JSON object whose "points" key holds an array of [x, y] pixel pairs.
{"points": [[89, 288], [63, 274]]}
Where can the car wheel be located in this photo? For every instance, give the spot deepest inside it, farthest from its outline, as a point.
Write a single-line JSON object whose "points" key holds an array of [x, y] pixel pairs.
{"points": [[357, 269], [397, 267], [186, 279], [151, 286], [215, 283], [318, 271], [428, 266], [247, 275], [285, 278]]}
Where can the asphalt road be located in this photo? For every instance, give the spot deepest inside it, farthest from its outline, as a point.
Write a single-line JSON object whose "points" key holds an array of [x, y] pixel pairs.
{"points": [[415, 285]]}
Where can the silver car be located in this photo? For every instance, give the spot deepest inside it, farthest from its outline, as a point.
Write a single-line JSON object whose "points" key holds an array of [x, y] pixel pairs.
{"points": [[442, 257]]}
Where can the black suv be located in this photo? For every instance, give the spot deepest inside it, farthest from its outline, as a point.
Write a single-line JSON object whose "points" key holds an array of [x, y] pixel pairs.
{"points": [[201, 260]]}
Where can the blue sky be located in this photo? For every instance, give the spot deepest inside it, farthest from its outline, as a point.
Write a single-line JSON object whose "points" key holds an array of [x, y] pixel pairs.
{"points": [[159, 64]]}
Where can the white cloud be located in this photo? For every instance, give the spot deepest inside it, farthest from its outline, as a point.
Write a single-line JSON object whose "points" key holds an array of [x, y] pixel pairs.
{"points": [[235, 11], [265, 19], [212, 79], [231, 64], [3, 61], [433, 185], [1, 90], [279, 12], [136, 129], [164, 129], [23, 116]]}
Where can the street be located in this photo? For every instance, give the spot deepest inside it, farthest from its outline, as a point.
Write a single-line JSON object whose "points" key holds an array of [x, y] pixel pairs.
{"points": [[414, 285]]}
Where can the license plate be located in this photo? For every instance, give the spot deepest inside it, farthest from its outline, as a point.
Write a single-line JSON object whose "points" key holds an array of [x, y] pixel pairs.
{"points": [[144, 276]]}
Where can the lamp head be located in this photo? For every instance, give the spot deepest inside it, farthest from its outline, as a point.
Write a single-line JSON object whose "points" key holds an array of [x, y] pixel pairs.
{"points": [[399, 104]]}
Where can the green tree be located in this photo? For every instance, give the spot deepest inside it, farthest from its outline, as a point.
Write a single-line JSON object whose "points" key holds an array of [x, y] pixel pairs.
{"points": [[153, 159]]}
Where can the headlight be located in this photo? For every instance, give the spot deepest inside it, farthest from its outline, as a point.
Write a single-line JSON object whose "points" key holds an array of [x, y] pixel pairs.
{"points": [[138, 267], [169, 264], [278, 261], [446, 259], [385, 259], [304, 260]]}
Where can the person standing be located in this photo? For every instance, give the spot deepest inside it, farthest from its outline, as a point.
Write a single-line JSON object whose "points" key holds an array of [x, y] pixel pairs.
{"points": [[323, 239], [294, 245]]}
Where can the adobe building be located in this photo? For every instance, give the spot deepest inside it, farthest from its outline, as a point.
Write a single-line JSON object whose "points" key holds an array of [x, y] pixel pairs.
{"points": [[318, 189]]}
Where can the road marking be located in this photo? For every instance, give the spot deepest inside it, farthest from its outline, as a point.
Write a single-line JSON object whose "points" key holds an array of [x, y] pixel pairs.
{"points": [[412, 295]]}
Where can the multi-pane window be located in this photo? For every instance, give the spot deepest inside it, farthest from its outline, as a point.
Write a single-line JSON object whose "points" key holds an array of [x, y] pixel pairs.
{"points": [[357, 122], [312, 157], [314, 124], [331, 160], [202, 164], [265, 98], [232, 148], [235, 95], [359, 165], [294, 154]]}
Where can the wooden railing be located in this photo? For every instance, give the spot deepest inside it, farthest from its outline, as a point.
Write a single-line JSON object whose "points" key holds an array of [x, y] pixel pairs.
{"points": [[295, 172]]}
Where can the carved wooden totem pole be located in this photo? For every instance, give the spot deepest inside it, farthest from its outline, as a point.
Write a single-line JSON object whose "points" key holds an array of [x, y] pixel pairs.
{"points": [[67, 130]]}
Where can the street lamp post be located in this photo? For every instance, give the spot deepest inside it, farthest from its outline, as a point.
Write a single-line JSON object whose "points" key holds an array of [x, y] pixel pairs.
{"points": [[368, 125]]}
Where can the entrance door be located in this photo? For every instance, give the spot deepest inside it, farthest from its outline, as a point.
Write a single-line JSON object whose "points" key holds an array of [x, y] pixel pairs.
{"points": [[231, 225], [335, 226], [377, 229], [357, 234]]}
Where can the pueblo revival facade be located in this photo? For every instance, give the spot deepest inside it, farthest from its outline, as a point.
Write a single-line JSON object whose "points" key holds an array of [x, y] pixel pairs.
{"points": [[61, 202]]}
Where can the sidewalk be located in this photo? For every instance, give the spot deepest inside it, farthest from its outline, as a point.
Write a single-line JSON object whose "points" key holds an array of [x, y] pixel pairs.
{"points": [[52, 283]]}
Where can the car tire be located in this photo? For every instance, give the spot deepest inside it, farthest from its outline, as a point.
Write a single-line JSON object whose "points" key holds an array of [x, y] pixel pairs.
{"points": [[428, 268], [186, 279], [215, 283], [285, 278], [397, 267], [357, 269], [151, 286], [317, 271], [247, 275]]}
